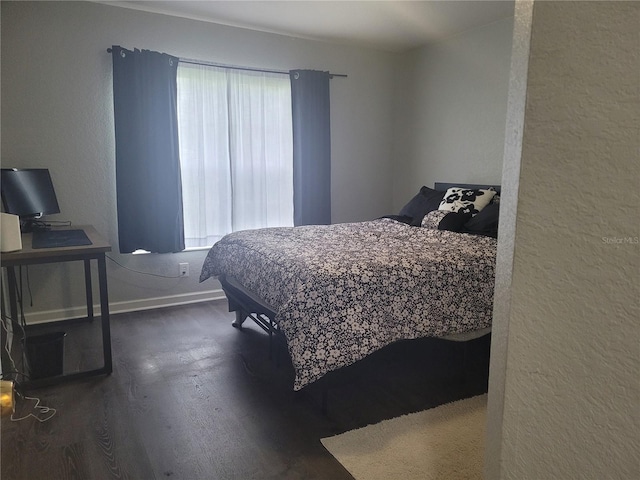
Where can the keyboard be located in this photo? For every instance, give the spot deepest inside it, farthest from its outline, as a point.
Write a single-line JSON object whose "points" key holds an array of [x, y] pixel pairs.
{"points": [[59, 238]]}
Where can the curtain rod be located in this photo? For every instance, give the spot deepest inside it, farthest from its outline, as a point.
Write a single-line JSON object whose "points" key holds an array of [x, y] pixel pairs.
{"points": [[251, 69], [235, 67]]}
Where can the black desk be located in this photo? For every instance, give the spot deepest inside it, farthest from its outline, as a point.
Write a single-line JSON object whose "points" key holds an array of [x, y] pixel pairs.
{"points": [[85, 253]]}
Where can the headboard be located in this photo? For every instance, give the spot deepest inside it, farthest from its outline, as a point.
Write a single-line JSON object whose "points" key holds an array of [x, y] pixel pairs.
{"points": [[443, 186]]}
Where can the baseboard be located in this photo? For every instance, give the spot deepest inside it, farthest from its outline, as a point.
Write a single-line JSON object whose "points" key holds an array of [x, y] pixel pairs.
{"points": [[34, 318]]}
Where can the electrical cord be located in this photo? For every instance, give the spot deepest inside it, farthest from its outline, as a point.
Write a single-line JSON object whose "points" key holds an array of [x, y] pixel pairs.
{"points": [[142, 273], [47, 224], [68, 223], [43, 413], [64, 223], [21, 321], [41, 410], [107, 256], [6, 347], [24, 361]]}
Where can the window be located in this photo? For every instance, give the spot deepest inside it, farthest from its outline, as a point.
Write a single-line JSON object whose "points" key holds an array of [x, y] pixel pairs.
{"points": [[236, 151]]}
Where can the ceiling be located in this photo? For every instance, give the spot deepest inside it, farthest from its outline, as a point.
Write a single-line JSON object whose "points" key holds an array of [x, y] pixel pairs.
{"points": [[393, 26]]}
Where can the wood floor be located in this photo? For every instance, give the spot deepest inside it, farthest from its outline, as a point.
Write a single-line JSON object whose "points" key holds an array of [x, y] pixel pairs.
{"points": [[191, 398]]}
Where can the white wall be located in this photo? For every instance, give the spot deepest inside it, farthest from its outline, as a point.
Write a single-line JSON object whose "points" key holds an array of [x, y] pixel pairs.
{"points": [[451, 111], [571, 390], [57, 112]]}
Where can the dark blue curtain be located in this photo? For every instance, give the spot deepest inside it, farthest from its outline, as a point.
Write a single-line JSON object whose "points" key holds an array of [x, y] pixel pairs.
{"points": [[148, 184], [311, 147]]}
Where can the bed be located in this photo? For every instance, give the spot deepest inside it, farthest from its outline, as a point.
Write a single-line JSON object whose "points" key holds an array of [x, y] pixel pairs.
{"points": [[337, 293]]}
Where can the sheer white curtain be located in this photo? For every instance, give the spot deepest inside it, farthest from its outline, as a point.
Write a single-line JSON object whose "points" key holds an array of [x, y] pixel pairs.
{"points": [[236, 151]]}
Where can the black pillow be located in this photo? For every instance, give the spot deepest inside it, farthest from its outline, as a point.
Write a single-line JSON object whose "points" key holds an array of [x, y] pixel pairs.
{"points": [[425, 201], [443, 220], [454, 221], [485, 222]]}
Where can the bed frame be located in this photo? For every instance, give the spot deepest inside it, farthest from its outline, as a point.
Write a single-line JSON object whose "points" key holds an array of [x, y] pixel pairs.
{"points": [[246, 305], [443, 187]]}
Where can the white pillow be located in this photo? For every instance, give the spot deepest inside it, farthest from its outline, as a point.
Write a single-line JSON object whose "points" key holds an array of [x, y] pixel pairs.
{"points": [[458, 199]]}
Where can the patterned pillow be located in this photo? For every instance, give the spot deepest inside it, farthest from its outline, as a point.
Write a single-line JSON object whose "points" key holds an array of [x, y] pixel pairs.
{"points": [[445, 220], [432, 219], [464, 200]]}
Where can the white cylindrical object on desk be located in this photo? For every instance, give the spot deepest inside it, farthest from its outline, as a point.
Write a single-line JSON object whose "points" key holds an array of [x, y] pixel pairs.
{"points": [[10, 239]]}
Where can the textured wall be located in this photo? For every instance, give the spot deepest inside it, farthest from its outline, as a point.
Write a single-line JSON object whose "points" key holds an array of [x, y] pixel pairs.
{"points": [[507, 229], [572, 388], [57, 112], [451, 110]]}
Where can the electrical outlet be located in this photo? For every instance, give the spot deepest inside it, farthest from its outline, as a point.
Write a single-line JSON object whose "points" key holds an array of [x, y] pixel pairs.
{"points": [[184, 269]]}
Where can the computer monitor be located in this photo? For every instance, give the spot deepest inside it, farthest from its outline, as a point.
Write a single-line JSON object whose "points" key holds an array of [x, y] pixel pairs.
{"points": [[28, 193]]}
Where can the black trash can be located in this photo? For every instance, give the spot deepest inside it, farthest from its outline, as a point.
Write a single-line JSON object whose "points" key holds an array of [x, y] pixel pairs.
{"points": [[45, 354]]}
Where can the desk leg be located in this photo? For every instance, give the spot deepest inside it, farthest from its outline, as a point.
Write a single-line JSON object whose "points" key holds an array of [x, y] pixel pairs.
{"points": [[87, 284], [8, 334], [11, 290], [104, 314]]}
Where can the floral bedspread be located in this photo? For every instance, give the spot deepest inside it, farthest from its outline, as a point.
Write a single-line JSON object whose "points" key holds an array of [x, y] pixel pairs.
{"points": [[343, 291]]}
